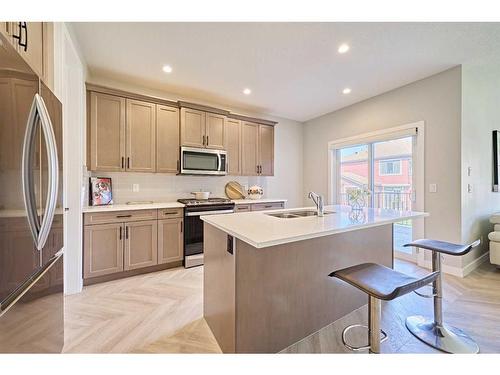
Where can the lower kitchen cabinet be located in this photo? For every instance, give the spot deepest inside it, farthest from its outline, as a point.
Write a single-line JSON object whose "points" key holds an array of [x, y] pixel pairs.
{"points": [[170, 240], [102, 249], [134, 240], [141, 244]]}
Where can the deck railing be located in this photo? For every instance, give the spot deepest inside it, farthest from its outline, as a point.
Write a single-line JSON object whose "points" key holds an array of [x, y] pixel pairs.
{"points": [[387, 200]]}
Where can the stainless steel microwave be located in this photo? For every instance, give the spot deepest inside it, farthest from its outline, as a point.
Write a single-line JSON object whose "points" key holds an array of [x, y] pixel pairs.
{"points": [[203, 161]]}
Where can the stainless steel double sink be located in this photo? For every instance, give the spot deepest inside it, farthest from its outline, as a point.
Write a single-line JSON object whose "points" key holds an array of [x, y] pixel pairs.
{"points": [[297, 214]]}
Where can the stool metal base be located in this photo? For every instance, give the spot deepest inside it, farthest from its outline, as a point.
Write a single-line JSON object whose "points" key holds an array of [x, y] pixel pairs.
{"points": [[445, 338]]}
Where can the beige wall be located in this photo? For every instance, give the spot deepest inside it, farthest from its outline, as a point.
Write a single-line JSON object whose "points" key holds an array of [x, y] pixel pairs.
{"points": [[437, 101], [285, 184], [480, 116]]}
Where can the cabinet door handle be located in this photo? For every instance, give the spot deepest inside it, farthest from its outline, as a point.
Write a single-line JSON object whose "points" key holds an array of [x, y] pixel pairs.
{"points": [[121, 216], [207, 140], [25, 45], [126, 233], [128, 162], [257, 169], [123, 162], [203, 140], [120, 233], [170, 213], [22, 26], [182, 226]]}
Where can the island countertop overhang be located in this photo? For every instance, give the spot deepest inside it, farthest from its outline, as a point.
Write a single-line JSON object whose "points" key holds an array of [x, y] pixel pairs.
{"points": [[261, 230]]}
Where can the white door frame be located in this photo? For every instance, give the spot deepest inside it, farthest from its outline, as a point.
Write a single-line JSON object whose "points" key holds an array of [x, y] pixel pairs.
{"points": [[418, 166], [69, 83]]}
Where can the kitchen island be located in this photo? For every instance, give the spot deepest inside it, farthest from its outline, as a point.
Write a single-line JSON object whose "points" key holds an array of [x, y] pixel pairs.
{"points": [[266, 283]]}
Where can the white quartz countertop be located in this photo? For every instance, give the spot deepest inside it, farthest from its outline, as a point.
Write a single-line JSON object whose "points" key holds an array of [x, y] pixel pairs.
{"points": [[129, 207], [261, 230], [250, 201]]}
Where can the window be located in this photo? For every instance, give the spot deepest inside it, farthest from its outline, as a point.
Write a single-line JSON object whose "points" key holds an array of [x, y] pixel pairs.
{"points": [[390, 167]]}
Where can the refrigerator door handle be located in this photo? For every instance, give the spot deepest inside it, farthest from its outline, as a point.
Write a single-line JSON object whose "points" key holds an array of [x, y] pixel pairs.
{"points": [[27, 176], [53, 168], [39, 114]]}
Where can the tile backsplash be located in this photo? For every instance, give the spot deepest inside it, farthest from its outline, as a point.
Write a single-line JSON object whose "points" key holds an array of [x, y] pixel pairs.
{"points": [[165, 188]]}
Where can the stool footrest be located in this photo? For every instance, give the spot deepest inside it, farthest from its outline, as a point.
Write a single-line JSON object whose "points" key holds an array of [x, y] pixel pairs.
{"points": [[425, 295], [358, 348]]}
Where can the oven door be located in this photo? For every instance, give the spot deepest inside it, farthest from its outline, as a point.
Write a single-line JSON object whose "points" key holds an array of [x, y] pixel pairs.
{"points": [[193, 231], [203, 161]]}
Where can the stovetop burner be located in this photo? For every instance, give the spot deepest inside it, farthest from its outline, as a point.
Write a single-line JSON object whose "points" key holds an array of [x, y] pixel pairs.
{"points": [[200, 202]]}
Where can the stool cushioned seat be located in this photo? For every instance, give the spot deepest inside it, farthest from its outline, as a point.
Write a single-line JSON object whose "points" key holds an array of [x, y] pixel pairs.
{"points": [[441, 246], [381, 282]]}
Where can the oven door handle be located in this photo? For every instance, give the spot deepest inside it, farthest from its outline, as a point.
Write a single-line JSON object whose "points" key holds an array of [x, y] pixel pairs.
{"points": [[219, 163], [203, 213]]}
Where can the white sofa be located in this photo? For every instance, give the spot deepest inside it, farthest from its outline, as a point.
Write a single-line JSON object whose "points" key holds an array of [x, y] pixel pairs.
{"points": [[494, 238]]}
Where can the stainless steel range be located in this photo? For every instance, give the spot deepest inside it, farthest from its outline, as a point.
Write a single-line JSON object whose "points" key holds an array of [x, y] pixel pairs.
{"points": [[193, 225]]}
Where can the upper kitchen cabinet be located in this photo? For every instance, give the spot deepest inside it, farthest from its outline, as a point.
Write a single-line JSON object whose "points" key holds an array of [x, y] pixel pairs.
{"points": [[140, 136], [5, 30], [167, 139], [215, 129], [266, 150], [202, 126], [192, 127], [31, 45], [257, 149], [107, 132], [131, 132], [34, 42], [233, 146], [249, 149]]}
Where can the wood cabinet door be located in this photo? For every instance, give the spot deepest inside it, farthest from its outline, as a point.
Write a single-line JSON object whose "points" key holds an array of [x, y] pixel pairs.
{"points": [[141, 244], [215, 131], [233, 146], [249, 148], [6, 29], [167, 139], [140, 136], [170, 240], [33, 53], [102, 249], [192, 127], [266, 150], [107, 132]]}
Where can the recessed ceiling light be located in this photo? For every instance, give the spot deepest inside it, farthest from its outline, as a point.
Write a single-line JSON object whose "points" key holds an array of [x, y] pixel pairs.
{"points": [[167, 69], [347, 90], [343, 48], [247, 91]]}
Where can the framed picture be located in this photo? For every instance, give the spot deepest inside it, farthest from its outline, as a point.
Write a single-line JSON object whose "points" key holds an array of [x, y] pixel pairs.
{"points": [[100, 190], [496, 159]]}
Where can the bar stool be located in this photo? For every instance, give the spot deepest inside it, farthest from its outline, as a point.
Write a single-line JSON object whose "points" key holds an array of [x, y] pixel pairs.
{"points": [[380, 283], [434, 332]]}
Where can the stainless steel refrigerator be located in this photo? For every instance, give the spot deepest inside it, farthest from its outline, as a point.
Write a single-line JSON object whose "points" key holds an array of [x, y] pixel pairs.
{"points": [[31, 212]]}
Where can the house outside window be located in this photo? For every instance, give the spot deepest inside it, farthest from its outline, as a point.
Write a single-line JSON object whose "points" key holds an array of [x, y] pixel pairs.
{"points": [[390, 167]]}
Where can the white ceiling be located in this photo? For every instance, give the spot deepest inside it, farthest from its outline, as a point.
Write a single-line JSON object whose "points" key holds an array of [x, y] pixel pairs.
{"points": [[293, 69]]}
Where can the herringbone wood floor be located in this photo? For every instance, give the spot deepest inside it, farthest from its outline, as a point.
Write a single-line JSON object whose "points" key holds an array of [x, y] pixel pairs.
{"points": [[162, 313]]}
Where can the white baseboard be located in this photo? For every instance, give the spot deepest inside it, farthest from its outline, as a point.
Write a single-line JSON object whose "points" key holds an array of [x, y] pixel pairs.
{"points": [[464, 271], [476, 263]]}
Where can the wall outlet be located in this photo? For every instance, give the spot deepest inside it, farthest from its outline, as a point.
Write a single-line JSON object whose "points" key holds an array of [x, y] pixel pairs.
{"points": [[433, 188], [135, 188]]}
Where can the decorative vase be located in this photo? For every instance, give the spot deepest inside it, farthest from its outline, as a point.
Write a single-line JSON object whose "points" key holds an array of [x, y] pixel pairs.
{"points": [[255, 192], [356, 198]]}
